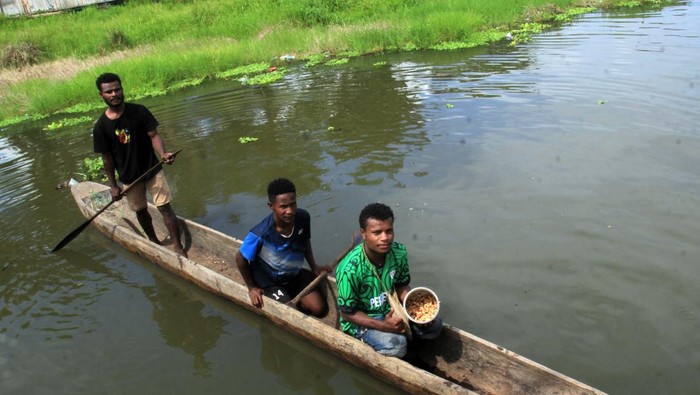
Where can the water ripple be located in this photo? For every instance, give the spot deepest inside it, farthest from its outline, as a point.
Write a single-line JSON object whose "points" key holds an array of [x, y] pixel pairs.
{"points": [[16, 179]]}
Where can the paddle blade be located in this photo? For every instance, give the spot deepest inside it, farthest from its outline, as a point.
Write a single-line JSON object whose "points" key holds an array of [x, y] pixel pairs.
{"points": [[71, 236]]}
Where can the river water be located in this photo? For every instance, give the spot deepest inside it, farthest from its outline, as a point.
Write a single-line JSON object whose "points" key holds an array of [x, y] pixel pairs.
{"points": [[548, 192]]}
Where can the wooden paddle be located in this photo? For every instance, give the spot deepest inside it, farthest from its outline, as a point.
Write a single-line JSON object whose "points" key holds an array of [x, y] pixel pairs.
{"points": [[395, 304], [354, 240], [72, 235], [399, 310]]}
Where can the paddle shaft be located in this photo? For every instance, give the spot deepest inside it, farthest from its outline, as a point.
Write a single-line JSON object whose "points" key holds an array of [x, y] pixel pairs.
{"points": [[72, 235], [395, 304], [323, 275]]}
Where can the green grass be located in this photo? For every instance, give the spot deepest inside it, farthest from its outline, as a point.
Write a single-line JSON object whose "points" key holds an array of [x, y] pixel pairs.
{"points": [[184, 42]]}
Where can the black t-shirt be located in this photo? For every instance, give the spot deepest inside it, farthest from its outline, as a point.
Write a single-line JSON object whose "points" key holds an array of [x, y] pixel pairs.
{"points": [[126, 138]]}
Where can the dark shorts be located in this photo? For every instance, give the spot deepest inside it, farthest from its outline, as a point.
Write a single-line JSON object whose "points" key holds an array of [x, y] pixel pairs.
{"points": [[285, 292]]}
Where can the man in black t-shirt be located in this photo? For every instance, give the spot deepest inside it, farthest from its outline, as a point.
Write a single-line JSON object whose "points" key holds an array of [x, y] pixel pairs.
{"points": [[126, 135]]}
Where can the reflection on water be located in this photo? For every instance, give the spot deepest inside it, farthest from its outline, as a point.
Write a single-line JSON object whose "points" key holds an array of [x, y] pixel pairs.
{"points": [[184, 324], [548, 191], [304, 369], [14, 164], [300, 372], [55, 303]]}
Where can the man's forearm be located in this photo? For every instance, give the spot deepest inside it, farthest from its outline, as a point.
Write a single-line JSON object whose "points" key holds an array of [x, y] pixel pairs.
{"points": [[309, 255], [361, 319], [244, 269], [108, 165], [157, 143], [402, 292]]}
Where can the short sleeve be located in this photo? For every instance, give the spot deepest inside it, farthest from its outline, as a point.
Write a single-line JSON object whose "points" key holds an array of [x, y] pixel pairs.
{"points": [[250, 247], [403, 276], [149, 121], [304, 220], [99, 143], [348, 283]]}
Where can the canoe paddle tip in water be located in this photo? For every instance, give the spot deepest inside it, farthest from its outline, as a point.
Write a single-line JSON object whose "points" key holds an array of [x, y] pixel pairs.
{"points": [[72, 235]]}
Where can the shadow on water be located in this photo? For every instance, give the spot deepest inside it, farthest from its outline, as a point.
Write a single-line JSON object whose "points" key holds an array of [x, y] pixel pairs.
{"points": [[179, 310], [292, 364], [306, 369], [183, 323], [187, 322]]}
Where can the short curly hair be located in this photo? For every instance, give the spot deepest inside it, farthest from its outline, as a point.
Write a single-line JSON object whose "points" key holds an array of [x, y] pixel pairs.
{"points": [[378, 211], [106, 78], [279, 186]]}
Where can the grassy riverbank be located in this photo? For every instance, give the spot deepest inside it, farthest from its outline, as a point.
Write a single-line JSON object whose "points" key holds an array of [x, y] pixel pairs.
{"points": [[162, 46]]}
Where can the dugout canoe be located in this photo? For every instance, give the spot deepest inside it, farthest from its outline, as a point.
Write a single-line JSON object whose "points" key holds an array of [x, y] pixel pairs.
{"points": [[457, 362]]}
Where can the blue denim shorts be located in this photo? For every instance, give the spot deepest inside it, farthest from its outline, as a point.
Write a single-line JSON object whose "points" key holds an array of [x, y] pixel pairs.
{"points": [[395, 344]]}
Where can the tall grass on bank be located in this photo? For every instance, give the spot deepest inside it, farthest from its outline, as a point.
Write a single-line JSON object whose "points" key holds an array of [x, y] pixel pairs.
{"points": [[171, 41]]}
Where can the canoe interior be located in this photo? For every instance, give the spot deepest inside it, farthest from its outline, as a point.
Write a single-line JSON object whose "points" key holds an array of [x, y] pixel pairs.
{"points": [[463, 363]]}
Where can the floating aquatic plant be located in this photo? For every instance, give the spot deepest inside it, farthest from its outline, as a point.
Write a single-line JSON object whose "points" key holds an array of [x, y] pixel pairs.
{"points": [[246, 140], [453, 45], [336, 62], [255, 68], [570, 14], [152, 92], [630, 4], [82, 107], [315, 60], [186, 83], [266, 78], [67, 122], [525, 32], [20, 119], [92, 170]]}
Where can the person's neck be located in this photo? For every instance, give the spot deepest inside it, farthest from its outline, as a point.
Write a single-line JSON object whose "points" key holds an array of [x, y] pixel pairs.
{"points": [[115, 112], [376, 259], [284, 229]]}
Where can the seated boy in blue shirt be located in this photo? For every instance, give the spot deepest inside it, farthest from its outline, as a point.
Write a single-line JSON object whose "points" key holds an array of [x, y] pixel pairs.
{"points": [[271, 258]]}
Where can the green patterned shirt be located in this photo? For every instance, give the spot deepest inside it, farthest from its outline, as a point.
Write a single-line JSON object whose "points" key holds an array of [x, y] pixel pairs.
{"points": [[359, 288]]}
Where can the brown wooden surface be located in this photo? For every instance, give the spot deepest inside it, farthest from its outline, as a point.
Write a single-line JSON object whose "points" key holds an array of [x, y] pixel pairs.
{"points": [[456, 362]]}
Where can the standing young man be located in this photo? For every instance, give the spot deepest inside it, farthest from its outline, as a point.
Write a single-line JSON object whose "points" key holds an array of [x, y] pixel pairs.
{"points": [[365, 312], [271, 258], [127, 137]]}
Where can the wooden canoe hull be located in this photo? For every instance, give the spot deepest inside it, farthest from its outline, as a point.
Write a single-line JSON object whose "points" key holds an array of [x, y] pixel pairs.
{"points": [[455, 363]]}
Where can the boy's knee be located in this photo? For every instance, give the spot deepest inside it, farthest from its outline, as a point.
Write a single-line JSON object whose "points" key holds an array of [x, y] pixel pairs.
{"points": [[323, 311], [397, 347], [317, 312]]}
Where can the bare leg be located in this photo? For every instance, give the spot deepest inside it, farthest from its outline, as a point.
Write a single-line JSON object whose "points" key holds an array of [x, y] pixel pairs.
{"points": [[314, 304], [146, 223], [170, 221]]}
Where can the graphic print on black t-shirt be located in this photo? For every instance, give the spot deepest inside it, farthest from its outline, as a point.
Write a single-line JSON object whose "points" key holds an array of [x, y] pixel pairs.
{"points": [[126, 139]]}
